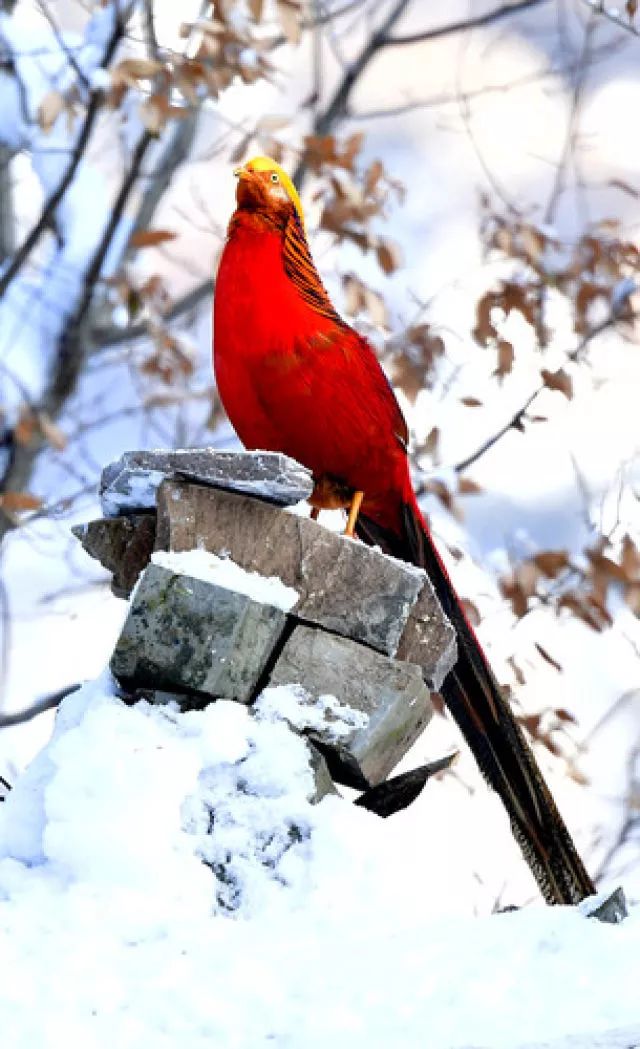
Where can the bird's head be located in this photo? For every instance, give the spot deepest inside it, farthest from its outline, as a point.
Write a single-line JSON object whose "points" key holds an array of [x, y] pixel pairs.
{"points": [[264, 186]]}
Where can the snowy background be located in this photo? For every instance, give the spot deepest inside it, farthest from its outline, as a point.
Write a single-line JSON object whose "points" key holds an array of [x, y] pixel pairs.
{"points": [[533, 114]]}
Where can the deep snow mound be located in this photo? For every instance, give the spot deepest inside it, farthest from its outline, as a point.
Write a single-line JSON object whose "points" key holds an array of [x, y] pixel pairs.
{"points": [[165, 881]]}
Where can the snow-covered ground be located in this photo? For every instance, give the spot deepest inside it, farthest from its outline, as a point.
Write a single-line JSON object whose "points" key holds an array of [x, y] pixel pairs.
{"points": [[322, 926]]}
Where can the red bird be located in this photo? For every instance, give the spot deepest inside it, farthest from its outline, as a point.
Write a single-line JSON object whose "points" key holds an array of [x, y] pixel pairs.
{"points": [[295, 378]]}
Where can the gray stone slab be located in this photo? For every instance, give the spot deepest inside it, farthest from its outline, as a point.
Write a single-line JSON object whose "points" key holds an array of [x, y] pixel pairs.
{"points": [[123, 545], [392, 695], [321, 776], [429, 639], [187, 635], [344, 586], [131, 482]]}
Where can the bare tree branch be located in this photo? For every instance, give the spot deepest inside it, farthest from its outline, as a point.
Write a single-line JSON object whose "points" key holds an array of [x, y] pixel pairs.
{"points": [[612, 14], [61, 42], [489, 18], [48, 702], [336, 108], [7, 215], [48, 212], [516, 420], [572, 123], [108, 337]]}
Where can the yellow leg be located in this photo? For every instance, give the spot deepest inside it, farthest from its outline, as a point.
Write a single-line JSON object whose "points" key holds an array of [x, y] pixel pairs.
{"points": [[354, 510]]}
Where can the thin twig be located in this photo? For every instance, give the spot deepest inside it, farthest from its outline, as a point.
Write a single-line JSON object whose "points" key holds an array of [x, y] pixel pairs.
{"points": [[48, 212], [489, 18], [515, 421], [104, 338], [613, 15], [48, 702], [70, 353], [338, 104], [572, 124], [62, 44]]}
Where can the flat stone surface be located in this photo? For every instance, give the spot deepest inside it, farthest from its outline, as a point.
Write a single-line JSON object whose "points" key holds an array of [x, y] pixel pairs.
{"points": [[344, 586], [123, 545], [186, 635], [429, 639], [131, 482], [392, 695]]}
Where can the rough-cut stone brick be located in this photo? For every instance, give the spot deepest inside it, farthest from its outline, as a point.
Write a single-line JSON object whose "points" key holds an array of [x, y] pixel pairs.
{"points": [[344, 586], [187, 635], [131, 482], [429, 639], [123, 545], [392, 695]]}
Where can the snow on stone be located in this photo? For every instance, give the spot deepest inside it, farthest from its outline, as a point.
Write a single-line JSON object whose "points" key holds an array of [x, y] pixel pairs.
{"points": [[165, 882], [293, 704], [140, 493], [200, 564]]}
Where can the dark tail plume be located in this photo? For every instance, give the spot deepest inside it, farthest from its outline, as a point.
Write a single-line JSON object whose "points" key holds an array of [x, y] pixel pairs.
{"points": [[484, 717]]}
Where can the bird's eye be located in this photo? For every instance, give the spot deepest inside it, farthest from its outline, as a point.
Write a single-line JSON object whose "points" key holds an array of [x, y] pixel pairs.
{"points": [[274, 177]]}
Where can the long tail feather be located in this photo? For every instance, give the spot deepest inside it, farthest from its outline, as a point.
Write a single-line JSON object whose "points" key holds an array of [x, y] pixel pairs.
{"points": [[484, 717]]}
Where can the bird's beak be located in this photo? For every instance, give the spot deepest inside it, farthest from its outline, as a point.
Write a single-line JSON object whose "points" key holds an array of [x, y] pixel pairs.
{"points": [[242, 173]]}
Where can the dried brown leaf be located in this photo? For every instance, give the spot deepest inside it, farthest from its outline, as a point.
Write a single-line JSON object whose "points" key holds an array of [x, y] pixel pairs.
{"points": [[130, 70], [388, 255], [14, 502], [50, 108], [505, 358], [289, 15], [468, 487], [551, 562], [558, 380], [52, 432], [150, 238], [25, 428]]}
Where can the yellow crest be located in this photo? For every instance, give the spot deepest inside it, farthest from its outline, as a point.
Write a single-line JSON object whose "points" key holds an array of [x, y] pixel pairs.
{"points": [[267, 164]]}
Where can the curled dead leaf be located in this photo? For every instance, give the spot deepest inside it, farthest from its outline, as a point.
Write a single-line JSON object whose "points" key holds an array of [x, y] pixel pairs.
{"points": [[50, 108], [466, 486], [150, 238], [15, 502], [559, 380]]}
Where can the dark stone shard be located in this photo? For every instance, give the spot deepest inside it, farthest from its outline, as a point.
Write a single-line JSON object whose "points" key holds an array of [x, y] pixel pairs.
{"points": [[123, 545], [610, 907], [401, 791]]}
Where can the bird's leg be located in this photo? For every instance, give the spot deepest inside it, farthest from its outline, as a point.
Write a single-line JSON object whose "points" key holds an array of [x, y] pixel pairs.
{"points": [[315, 513], [354, 510]]}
